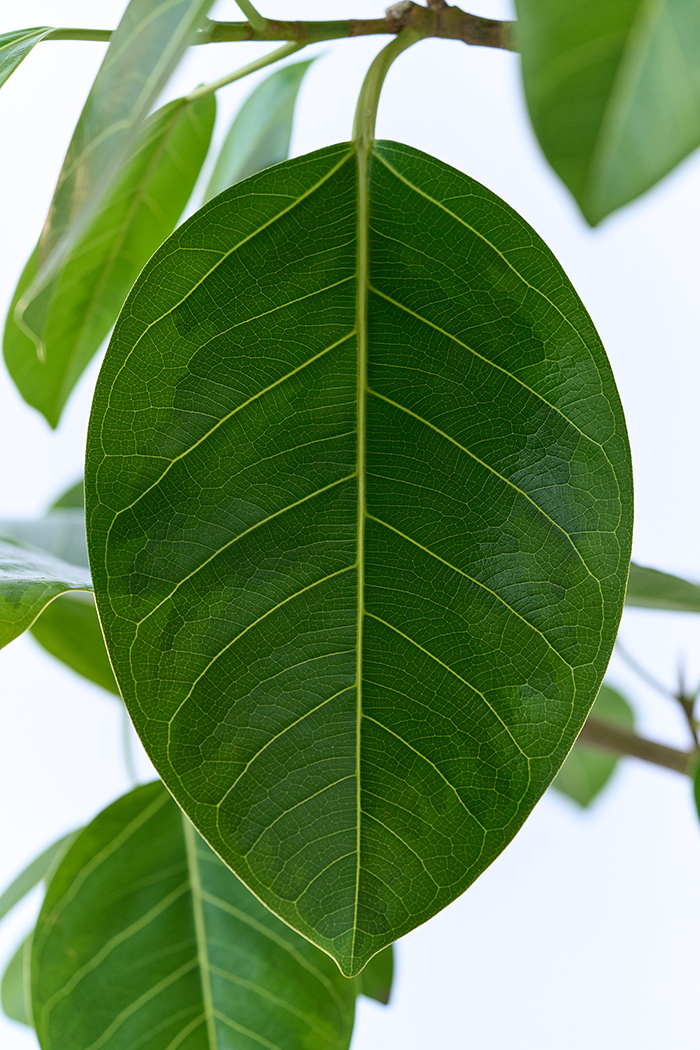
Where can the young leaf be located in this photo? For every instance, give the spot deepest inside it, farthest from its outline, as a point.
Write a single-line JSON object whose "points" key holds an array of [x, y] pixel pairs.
{"points": [[88, 292], [652, 589], [359, 542], [14, 987], [613, 91], [29, 580], [146, 939], [144, 50], [261, 131], [377, 977], [587, 770], [70, 630], [72, 498], [32, 875], [16, 45]]}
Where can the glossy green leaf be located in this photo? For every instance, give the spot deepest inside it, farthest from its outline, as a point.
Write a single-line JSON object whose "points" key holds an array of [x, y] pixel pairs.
{"points": [[61, 533], [29, 580], [32, 875], [135, 218], [652, 589], [146, 939], [326, 453], [587, 770], [14, 988], [144, 50], [261, 131], [70, 630], [16, 45], [377, 977], [613, 91]]}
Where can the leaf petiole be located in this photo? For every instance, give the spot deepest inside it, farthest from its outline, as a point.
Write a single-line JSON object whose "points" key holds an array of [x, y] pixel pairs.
{"points": [[267, 60]]}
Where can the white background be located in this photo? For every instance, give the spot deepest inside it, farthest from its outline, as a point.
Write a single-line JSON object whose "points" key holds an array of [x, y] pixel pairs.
{"points": [[585, 932]]}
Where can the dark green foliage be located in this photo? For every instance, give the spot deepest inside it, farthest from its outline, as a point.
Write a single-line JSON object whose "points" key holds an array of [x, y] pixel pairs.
{"points": [[359, 546]]}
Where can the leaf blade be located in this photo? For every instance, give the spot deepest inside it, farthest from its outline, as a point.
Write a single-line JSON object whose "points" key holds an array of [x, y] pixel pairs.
{"points": [[651, 589], [144, 50], [136, 216], [261, 131], [29, 580], [172, 947], [587, 770], [16, 45], [13, 988], [32, 875], [278, 557], [613, 92]]}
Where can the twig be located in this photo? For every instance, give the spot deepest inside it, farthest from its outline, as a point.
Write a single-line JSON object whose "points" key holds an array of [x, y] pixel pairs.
{"points": [[621, 741]]}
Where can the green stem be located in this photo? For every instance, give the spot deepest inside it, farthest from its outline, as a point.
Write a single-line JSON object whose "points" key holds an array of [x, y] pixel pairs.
{"points": [[449, 23], [367, 103], [253, 15], [599, 733], [252, 67]]}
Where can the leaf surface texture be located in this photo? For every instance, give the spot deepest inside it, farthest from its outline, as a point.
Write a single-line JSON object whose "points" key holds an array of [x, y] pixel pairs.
{"points": [[359, 514]]}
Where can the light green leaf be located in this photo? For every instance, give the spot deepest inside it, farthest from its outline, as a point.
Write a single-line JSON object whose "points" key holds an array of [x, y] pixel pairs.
{"points": [[367, 463], [61, 533], [138, 214], [376, 979], [613, 91], [146, 939], [16, 45], [652, 589], [29, 580], [144, 50], [72, 498], [587, 770], [261, 131], [32, 875], [70, 630], [14, 989]]}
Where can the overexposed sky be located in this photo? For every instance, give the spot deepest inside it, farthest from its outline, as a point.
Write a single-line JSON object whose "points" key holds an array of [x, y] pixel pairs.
{"points": [[583, 934]]}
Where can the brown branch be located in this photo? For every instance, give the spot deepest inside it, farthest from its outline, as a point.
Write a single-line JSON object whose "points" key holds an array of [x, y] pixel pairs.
{"points": [[599, 733], [450, 23]]}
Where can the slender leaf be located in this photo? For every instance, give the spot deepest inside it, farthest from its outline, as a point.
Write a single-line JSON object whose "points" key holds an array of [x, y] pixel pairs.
{"points": [[587, 770], [72, 498], [144, 50], [70, 630], [652, 589], [61, 533], [32, 875], [377, 977], [137, 216], [16, 45], [366, 465], [29, 580], [14, 988], [613, 90], [261, 131], [147, 940]]}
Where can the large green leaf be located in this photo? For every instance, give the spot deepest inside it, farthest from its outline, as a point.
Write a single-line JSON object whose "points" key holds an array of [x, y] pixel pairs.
{"points": [[146, 939], [14, 990], [70, 630], [652, 589], [261, 131], [29, 580], [354, 428], [613, 90], [87, 294], [587, 770], [16, 45], [144, 50], [32, 875]]}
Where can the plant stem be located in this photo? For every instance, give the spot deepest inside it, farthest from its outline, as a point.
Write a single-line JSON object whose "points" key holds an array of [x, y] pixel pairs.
{"points": [[368, 101], [252, 67], [253, 15], [448, 23], [609, 737]]}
